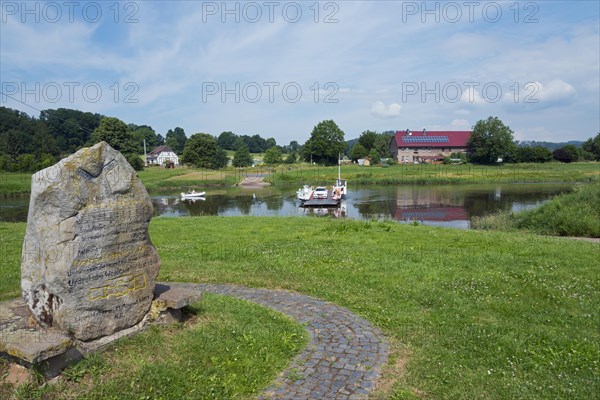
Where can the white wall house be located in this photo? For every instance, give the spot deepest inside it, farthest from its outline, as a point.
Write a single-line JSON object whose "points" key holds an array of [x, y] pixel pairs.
{"points": [[160, 155]]}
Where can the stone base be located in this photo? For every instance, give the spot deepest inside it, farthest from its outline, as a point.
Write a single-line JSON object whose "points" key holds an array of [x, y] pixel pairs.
{"points": [[25, 342], [18, 375]]}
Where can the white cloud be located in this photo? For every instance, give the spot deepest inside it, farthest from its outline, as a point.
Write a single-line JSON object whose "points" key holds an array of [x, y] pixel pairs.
{"points": [[471, 96], [173, 50], [536, 95], [380, 110], [555, 91], [460, 124], [454, 125]]}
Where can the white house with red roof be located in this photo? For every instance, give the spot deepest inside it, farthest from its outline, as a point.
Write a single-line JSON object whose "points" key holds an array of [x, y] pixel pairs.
{"points": [[162, 154], [427, 146]]}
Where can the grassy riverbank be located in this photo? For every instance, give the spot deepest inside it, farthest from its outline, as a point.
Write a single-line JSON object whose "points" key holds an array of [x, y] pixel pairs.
{"points": [[469, 314], [441, 174], [160, 179], [570, 214]]}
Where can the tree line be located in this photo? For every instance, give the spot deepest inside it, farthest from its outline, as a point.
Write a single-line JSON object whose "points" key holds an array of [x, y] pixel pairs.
{"points": [[28, 144], [492, 141]]}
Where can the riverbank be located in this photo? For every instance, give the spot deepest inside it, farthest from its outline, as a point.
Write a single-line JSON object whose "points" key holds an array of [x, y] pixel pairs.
{"points": [[161, 179], [441, 174], [574, 214], [469, 314]]}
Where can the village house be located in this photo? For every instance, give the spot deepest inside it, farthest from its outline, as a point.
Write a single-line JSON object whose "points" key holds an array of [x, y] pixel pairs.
{"points": [[162, 154], [409, 147]]}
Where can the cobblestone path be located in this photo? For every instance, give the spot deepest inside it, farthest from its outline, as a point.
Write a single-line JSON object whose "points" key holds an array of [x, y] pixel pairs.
{"points": [[343, 358]]}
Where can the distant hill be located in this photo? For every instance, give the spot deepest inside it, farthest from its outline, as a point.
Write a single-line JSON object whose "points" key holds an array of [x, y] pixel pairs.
{"points": [[350, 144], [549, 145]]}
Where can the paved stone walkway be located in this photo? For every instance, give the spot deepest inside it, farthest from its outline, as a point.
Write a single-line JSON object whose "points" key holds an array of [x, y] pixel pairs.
{"points": [[343, 358]]}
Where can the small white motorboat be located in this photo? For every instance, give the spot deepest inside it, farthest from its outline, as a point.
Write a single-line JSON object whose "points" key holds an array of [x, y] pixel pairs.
{"points": [[192, 194]]}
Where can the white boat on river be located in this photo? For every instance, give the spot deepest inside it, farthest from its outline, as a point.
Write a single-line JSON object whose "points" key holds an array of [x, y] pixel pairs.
{"points": [[192, 195]]}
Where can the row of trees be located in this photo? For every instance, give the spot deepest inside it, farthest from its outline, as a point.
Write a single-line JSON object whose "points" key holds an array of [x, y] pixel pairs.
{"points": [[256, 144], [491, 140], [324, 146], [28, 144], [373, 145]]}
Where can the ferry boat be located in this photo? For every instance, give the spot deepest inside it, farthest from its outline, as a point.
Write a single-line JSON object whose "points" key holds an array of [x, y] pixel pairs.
{"points": [[321, 196]]}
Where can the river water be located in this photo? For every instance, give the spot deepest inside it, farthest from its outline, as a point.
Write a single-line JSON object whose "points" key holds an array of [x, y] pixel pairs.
{"points": [[445, 205]]}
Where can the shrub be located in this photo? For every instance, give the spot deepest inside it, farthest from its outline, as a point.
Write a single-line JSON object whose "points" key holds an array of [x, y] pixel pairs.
{"points": [[566, 154], [27, 163], [135, 161]]}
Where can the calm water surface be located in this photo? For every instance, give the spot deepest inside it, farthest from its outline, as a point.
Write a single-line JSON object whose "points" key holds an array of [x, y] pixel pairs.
{"points": [[432, 205], [451, 205]]}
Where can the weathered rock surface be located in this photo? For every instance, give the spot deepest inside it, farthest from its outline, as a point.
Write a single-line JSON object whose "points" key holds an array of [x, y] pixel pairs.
{"points": [[88, 265], [22, 338]]}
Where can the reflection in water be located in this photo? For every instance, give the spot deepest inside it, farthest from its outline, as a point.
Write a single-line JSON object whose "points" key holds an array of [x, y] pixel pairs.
{"points": [[335, 212], [453, 206], [228, 203], [14, 210], [447, 205], [450, 206]]}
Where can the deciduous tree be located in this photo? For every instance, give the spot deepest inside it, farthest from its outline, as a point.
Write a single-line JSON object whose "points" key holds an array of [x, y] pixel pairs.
{"points": [[358, 151], [592, 145], [490, 140], [242, 157], [202, 151], [176, 140], [226, 140], [325, 144], [116, 133], [273, 156], [566, 154], [367, 139]]}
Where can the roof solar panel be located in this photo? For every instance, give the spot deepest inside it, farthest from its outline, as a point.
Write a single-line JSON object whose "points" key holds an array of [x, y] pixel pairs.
{"points": [[425, 139]]}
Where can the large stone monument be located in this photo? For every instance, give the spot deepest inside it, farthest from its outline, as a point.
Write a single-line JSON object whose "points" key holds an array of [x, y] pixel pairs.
{"points": [[88, 265]]}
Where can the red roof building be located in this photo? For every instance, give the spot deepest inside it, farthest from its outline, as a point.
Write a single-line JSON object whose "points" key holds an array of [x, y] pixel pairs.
{"points": [[427, 146]]}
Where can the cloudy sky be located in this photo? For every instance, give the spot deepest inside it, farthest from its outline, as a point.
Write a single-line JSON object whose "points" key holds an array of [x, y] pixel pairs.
{"points": [[277, 68]]}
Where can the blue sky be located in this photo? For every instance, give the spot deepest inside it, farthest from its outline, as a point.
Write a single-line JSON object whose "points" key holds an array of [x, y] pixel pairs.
{"points": [[278, 68]]}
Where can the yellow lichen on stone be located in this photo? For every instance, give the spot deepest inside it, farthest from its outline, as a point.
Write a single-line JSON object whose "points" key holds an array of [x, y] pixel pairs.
{"points": [[158, 306]]}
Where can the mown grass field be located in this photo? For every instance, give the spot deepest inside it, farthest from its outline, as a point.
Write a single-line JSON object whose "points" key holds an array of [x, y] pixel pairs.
{"points": [[158, 179], [469, 314]]}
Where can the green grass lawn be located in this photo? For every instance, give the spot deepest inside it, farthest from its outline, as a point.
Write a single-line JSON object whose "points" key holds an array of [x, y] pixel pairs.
{"points": [[161, 179], [469, 314], [228, 349], [14, 183]]}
